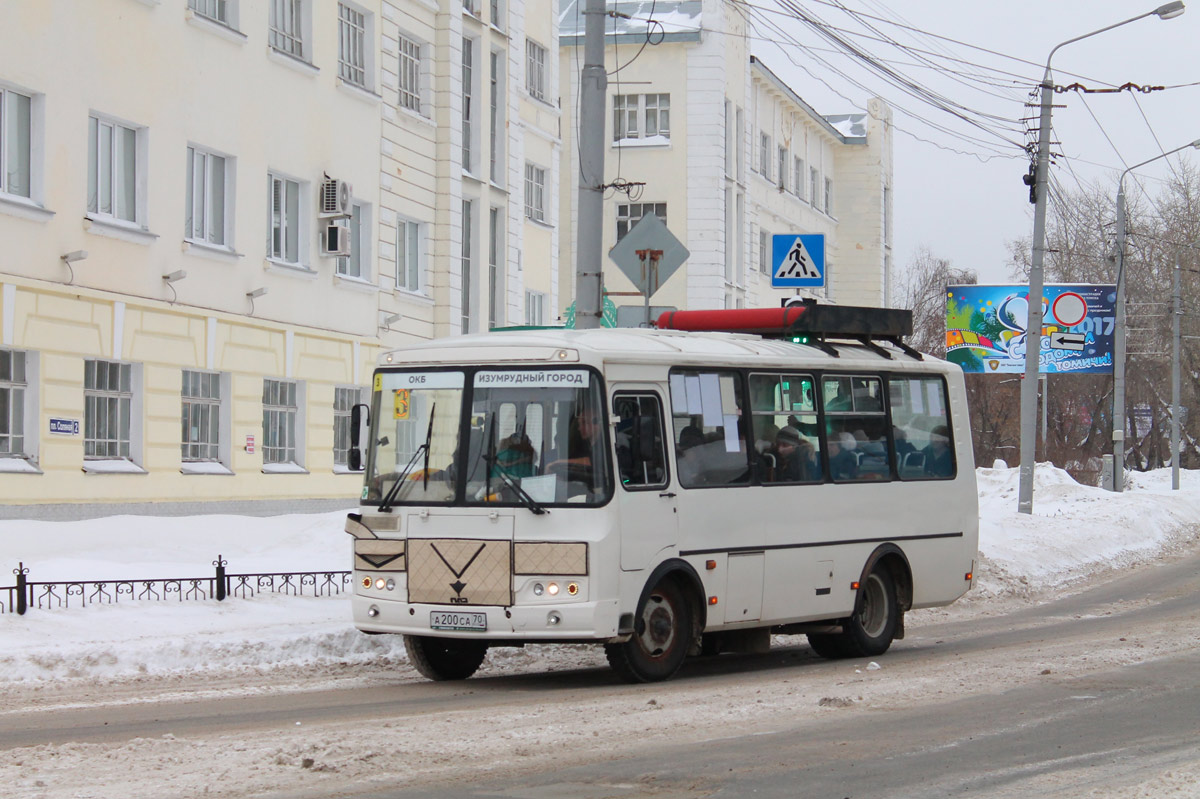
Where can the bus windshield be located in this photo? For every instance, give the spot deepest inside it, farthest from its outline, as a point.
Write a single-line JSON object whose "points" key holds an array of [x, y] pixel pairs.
{"points": [[531, 437]]}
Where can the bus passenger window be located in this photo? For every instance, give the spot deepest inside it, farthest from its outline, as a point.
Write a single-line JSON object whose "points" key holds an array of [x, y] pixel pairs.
{"points": [[787, 444], [641, 449], [856, 428], [922, 443], [708, 428]]}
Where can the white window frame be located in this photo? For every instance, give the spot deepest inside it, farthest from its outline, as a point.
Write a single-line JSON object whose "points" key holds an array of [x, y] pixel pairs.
{"points": [[103, 447], [412, 79], [783, 170], [289, 28], [497, 11], [222, 12], [467, 264], [764, 155], [10, 150], [764, 251], [470, 95], [117, 157], [356, 56], [496, 101], [357, 265], [202, 187], [635, 115], [496, 283], [535, 70], [814, 178], [798, 176], [280, 220], [410, 275], [283, 412], [829, 196], [18, 426], [629, 214], [535, 308], [200, 457], [535, 192]]}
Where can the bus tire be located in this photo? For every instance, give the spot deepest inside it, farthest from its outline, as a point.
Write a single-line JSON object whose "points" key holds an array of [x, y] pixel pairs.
{"points": [[827, 645], [444, 658], [661, 636], [870, 629]]}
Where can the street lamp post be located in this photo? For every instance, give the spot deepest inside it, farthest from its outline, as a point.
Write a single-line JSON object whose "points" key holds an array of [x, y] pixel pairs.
{"points": [[1118, 420], [1033, 326]]}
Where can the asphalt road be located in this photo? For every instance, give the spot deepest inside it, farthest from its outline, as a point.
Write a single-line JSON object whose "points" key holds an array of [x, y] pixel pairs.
{"points": [[1104, 731]]}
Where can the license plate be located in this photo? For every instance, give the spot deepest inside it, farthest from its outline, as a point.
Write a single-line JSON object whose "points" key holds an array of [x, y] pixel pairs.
{"points": [[457, 620]]}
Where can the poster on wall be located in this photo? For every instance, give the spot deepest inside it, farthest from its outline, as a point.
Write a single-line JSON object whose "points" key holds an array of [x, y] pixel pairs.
{"points": [[985, 328]]}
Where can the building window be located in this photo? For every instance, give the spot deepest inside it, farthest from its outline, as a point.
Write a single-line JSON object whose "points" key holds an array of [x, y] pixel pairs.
{"points": [[764, 156], [467, 265], [108, 409], [280, 411], [535, 69], [829, 196], [496, 137], [535, 308], [764, 251], [629, 214], [352, 265], [410, 73], [344, 399], [283, 232], [222, 11], [470, 7], [739, 132], [814, 180], [641, 116], [208, 184], [408, 255], [201, 434], [497, 13], [352, 45], [495, 271], [113, 156], [13, 387], [535, 192], [287, 27], [798, 177], [783, 170], [468, 78], [16, 132]]}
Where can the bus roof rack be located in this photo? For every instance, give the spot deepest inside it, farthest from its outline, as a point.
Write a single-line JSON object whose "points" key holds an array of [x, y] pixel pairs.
{"points": [[807, 323]]}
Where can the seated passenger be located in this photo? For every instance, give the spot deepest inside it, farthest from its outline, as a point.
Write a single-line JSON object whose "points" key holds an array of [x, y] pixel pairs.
{"points": [[795, 457], [843, 463], [515, 456], [939, 461]]}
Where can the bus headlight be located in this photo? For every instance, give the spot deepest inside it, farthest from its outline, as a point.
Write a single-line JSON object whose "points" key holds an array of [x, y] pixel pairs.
{"points": [[538, 589], [552, 589], [391, 584]]}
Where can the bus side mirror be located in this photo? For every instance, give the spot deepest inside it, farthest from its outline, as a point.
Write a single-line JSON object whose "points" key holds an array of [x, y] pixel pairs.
{"points": [[354, 456]]}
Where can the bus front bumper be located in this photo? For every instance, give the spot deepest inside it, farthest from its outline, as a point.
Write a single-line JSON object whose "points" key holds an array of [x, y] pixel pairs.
{"points": [[568, 621]]}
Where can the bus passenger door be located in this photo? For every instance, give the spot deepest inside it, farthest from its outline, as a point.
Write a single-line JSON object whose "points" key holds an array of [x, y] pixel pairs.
{"points": [[646, 503]]}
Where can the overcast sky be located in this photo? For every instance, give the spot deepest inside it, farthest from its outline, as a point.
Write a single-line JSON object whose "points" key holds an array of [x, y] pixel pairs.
{"points": [[959, 206]]}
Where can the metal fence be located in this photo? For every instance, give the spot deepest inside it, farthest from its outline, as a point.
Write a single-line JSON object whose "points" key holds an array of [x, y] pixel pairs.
{"points": [[28, 594]]}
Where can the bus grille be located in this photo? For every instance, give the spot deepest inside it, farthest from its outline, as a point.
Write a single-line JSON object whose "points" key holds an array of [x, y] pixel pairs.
{"points": [[455, 571]]}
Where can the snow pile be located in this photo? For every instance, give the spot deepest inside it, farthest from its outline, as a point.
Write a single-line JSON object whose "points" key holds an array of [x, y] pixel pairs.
{"points": [[1075, 531]]}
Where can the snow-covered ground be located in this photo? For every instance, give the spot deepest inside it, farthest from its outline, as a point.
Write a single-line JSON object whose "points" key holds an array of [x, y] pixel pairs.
{"points": [[1075, 532]]}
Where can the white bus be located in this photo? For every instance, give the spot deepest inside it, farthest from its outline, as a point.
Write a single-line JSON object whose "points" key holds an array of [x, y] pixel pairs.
{"points": [[663, 492]]}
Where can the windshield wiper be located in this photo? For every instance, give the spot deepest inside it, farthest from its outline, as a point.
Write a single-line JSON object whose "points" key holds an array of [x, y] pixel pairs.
{"points": [[493, 461], [392, 495]]}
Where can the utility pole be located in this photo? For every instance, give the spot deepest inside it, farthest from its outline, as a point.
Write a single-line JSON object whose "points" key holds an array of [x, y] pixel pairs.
{"points": [[589, 233], [1176, 313]]}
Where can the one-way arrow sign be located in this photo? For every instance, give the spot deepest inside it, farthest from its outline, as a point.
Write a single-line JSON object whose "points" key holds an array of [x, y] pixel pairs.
{"points": [[1067, 341]]}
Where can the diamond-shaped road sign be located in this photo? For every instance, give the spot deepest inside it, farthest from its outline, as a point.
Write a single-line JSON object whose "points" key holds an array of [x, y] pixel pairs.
{"points": [[649, 234], [798, 260]]}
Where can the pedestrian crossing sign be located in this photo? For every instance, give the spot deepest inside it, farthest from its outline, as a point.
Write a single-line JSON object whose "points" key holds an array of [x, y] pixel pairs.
{"points": [[798, 260]]}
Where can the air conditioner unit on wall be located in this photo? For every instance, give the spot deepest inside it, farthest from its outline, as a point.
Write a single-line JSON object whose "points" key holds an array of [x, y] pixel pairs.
{"points": [[335, 240], [335, 198]]}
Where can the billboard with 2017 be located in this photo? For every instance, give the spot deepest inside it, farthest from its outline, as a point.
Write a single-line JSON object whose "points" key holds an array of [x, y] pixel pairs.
{"points": [[985, 328]]}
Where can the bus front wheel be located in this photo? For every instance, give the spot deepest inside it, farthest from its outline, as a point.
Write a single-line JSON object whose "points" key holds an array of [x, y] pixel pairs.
{"points": [[661, 637], [444, 658]]}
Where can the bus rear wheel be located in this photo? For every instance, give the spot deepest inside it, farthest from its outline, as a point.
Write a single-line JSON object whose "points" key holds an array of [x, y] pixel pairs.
{"points": [[444, 658], [661, 636], [870, 629]]}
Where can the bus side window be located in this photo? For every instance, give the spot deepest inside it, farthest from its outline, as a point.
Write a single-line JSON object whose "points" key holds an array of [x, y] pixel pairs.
{"points": [[707, 422], [641, 447], [921, 440], [856, 428]]}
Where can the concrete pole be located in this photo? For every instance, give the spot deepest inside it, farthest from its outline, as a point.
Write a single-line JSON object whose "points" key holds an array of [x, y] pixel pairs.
{"points": [[1176, 354], [1118, 420], [593, 91]]}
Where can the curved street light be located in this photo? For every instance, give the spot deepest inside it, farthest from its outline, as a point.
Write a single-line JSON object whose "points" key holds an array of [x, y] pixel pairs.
{"points": [[1033, 325]]}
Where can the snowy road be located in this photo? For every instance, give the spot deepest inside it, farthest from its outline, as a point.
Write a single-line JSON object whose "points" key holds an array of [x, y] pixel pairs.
{"points": [[1092, 694]]}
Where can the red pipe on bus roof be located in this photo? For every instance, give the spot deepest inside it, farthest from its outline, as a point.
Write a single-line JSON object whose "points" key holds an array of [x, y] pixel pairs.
{"points": [[733, 320]]}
